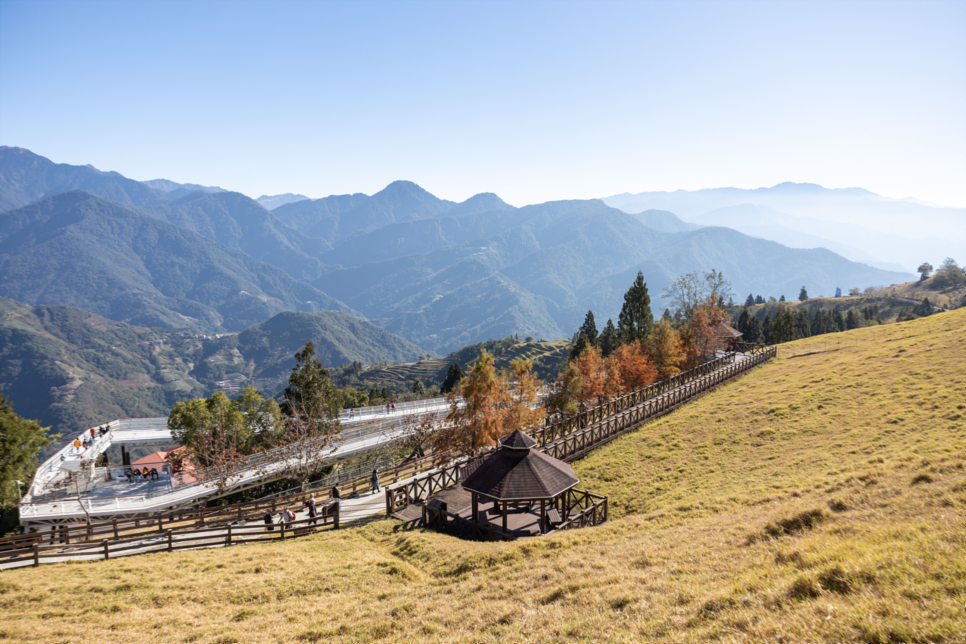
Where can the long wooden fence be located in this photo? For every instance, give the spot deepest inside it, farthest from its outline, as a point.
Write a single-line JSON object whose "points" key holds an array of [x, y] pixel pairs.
{"points": [[574, 437], [167, 541]]}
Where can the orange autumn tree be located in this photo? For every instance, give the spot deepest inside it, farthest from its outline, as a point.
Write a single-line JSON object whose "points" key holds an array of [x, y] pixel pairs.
{"points": [[702, 324], [614, 379], [480, 419], [636, 369], [522, 410], [564, 393], [593, 377], [665, 348]]}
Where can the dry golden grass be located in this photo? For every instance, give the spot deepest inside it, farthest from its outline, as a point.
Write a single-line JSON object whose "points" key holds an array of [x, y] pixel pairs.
{"points": [[820, 498]]}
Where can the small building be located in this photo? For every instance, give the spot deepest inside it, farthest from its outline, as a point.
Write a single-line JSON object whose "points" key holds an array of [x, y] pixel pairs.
{"points": [[725, 337]]}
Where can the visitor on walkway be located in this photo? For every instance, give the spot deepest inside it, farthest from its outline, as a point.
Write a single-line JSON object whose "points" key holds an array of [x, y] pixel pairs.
{"points": [[77, 444], [336, 494], [130, 475], [93, 434], [310, 506], [375, 481], [287, 516], [154, 474], [268, 521]]}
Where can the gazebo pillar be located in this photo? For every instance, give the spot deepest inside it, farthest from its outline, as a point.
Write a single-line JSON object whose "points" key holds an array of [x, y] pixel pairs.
{"points": [[543, 516], [504, 516], [476, 503]]}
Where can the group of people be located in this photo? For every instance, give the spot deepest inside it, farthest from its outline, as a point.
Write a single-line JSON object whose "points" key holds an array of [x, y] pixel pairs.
{"points": [[390, 407], [134, 474], [287, 515], [84, 441]]}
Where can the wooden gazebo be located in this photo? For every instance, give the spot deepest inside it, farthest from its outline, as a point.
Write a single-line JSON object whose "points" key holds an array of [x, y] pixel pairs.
{"points": [[516, 474]]}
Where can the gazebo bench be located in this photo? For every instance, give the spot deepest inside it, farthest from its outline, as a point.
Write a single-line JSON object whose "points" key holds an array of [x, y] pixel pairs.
{"points": [[554, 517]]}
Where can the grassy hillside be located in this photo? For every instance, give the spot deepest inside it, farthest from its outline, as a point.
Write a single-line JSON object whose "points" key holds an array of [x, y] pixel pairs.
{"points": [[948, 297], [821, 497]]}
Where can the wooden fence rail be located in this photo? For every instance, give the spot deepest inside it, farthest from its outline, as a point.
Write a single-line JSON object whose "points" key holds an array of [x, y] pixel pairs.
{"points": [[574, 439], [171, 539]]}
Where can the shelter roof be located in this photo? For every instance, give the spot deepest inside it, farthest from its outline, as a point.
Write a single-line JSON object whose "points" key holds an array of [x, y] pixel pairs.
{"points": [[725, 330], [519, 474], [518, 440]]}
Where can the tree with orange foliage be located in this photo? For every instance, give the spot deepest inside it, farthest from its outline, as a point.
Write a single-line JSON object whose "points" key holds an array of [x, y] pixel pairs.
{"points": [[593, 376], [522, 410], [705, 319], [614, 379], [564, 393], [636, 369], [665, 348], [478, 408]]}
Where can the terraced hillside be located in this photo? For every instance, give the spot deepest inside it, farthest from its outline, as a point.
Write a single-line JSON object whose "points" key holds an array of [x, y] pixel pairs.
{"points": [[819, 498], [546, 357]]}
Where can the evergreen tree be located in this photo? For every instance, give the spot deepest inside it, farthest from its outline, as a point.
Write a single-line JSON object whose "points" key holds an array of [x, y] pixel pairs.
{"points": [[851, 321], [923, 309], [756, 332], [838, 322], [453, 378], [666, 316], [589, 329], [309, 386], [635, 318], [759, 299], [744, 322], [782, 298], [608, 340], [766, 329], [803, 295], [580, 344], [20, 442], [802, 327], [783, 328], [418, 387], [385, 394], [750, 301]]}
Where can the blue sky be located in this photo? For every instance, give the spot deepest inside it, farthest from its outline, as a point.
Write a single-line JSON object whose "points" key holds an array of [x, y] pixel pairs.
{"points": [[531, 100]]}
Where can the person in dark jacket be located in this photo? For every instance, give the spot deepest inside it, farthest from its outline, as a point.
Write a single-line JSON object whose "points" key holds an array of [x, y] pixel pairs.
{"points": [[310, 506], [375, 480], [268, 520]]}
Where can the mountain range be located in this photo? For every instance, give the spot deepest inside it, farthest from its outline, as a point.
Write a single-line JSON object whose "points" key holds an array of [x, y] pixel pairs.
{"points": [[895, 234], [438, 273]]}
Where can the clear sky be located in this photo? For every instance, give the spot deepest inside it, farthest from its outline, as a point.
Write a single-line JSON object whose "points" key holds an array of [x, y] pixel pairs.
{"points": [[531, 100]]}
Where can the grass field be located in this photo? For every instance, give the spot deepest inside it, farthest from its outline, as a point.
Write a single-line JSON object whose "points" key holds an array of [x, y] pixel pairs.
{"points": [[820, 498]]}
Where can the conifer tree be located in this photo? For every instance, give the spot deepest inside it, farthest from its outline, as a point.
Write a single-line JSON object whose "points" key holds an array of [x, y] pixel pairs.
{"points": [[803, 295], [783, 328], [756, 332], [589, 329], [580, 344], [851, 321], [608, 340], [744, 322], [802, 327], [750, 301], [635, 318], [453, 378], [766, 329], [666, 350], [759, 299], [782, 298], [666, 315], [418, 387], [819, 323], [838, 322]]}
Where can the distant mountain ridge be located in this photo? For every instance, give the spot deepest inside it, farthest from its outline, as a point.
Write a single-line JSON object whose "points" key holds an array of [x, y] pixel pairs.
{"points": [[880, 229], [439, 273], [271, 202]]}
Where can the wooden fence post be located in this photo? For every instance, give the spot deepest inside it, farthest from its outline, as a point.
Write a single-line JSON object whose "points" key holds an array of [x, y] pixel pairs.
{"points": [[115, 528], [36, 555], [170, 543], [107, 552], [228, 536]]}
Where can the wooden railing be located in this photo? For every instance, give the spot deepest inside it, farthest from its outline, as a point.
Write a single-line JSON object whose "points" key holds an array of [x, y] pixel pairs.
{"points": [[170, 540], [593, 415], [66, 534], [575, 439], [464, 528], [582, 509], [579, 443]]}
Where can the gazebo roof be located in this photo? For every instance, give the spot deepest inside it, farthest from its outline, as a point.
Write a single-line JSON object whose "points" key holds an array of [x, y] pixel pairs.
{"points": [[519, 473], [725, 330]]}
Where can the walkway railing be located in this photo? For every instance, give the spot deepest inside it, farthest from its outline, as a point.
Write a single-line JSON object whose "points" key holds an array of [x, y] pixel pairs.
{"points": [[574, 438]]}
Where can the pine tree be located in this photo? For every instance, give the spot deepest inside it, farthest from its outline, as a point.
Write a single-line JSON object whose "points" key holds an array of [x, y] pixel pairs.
{"points": [[635, 318], [766, 329], [750, 301], [783, 329], [838, 322], [580, 345], [782, 298], [802, 327], [759, 299], [851, 321], [453, 378], [309, 386], [666, 315], [608, 340], [418, 387], [756, 332], [803, 295], [744, 321], [589, 329]]}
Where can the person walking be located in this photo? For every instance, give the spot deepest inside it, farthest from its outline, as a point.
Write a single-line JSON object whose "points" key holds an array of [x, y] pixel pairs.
{"points": [[269, 527], [336, 494], [287, 516], [310, 506], [375, 481]]}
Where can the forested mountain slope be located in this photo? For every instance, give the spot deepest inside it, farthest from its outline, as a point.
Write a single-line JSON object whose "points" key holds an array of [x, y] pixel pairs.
{"points": [[84, 251]]}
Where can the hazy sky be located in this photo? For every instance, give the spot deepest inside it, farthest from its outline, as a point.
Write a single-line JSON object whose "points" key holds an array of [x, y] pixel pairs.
{"points": [[531, 100]]}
